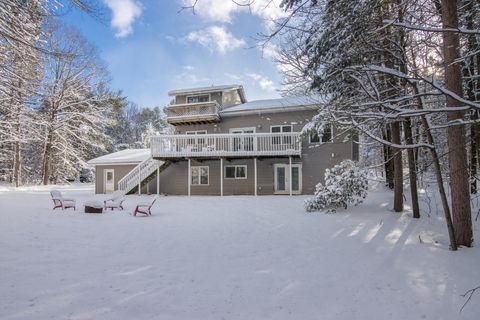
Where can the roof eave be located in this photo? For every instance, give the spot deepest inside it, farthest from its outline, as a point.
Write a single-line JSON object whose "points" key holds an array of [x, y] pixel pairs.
{"points": [[227, 113]]}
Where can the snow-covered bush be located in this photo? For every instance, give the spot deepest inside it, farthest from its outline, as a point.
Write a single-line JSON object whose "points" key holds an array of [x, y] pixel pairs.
{"points": [[345, 184]]}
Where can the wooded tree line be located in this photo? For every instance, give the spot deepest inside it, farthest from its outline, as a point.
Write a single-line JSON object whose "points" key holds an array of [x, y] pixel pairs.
{"points": [[403, 73], [56, 111]]}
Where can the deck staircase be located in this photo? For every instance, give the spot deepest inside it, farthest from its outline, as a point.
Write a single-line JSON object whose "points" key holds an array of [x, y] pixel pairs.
{"points": [[142, 173]]}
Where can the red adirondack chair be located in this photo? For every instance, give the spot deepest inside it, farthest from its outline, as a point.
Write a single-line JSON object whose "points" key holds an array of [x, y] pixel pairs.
{"points": [[144, 208], [60, 202]]}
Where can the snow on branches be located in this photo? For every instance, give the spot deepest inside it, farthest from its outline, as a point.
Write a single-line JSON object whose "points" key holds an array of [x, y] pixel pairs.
{"points": [[345, 184]]}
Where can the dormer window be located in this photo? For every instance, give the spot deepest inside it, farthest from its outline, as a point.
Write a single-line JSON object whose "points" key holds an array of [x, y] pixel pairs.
{"points": [[198, 98]]}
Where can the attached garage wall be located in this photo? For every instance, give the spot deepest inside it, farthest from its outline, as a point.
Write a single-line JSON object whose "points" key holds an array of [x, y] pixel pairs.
{"points": [[119, 172]]}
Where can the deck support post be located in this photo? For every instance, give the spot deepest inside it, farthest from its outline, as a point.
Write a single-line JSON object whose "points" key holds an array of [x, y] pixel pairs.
{"points": [[158, 181], [221, 177], [255, 175], [290, 174], [189, 176], [140, 183]]}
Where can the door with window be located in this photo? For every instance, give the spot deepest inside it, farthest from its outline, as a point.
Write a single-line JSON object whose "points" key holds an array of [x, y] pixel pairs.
{"points": [[240, 143], [284, 140], [282, 178], [197, 142], [109, 180]]}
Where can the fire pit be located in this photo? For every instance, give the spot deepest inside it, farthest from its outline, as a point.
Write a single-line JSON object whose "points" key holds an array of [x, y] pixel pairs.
{"points": [[93, 207]]}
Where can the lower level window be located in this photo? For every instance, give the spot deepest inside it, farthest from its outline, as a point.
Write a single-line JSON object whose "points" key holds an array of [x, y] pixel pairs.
{"points": [[199, 175], [235, 172]]}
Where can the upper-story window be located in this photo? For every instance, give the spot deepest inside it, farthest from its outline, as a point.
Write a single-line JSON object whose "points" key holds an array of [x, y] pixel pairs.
{"points": [[198, 98], [281, 129], [324, 138]]}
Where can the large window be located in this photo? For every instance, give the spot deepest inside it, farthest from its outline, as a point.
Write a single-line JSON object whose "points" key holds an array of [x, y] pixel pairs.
{"points": [[199, 176], [198, 98], [325, 137], [236, 172], [281, 129]]}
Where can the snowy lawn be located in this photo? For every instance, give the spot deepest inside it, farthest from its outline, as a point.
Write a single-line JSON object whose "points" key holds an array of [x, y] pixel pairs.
{"points": [[227, 258]]}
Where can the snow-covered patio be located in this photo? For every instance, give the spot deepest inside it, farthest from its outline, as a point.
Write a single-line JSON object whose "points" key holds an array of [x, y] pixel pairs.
{"points": [[227, 258]]}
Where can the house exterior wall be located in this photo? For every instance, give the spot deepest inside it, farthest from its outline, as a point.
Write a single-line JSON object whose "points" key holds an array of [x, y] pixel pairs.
{"points": [[261, 122], [119, 172], [314, 160]]}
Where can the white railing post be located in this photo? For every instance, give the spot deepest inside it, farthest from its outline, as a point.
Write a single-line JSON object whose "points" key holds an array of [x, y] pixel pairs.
{"points": [[158, 181], [189, 176], [290, 174], [255, 174], [221, 177]]}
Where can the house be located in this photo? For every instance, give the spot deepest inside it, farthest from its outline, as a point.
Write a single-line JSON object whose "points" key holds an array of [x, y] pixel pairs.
{"points": [[225, 145]]}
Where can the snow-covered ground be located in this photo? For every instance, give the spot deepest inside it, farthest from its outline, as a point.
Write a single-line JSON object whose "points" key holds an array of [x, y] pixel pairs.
{"points": [[228, 258]]}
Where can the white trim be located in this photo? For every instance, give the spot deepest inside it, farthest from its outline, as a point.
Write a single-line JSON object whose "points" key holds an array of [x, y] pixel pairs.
{"points": [[254, 129], [282, 125], [105, 172], [158, 181], [200, 176], [196, 132], [320, 136], [197, 95], [221, 177], [115, 164], [227, 113], [290, 171], [235, 166], [193, 91], [255, 174], [189, 177]]}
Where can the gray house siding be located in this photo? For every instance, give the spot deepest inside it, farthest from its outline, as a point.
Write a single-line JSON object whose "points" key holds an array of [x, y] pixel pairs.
{"points": [[119, 172], [261, 122]]}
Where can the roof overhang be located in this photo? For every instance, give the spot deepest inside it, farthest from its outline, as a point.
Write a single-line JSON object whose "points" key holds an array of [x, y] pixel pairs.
{"points": [[210, 89], [227, 113]]}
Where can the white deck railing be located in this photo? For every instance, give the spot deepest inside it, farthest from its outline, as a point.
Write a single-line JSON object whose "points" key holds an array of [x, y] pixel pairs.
{"points": [[224, 145], [193, 111]]}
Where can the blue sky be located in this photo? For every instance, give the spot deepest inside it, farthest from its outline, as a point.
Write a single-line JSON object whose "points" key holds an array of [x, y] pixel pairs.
{"points": [[150, 47]]}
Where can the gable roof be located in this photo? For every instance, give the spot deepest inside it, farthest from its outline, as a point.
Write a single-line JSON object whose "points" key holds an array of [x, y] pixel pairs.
{"points": [[275, 105], [210, 89], [127, 156]]}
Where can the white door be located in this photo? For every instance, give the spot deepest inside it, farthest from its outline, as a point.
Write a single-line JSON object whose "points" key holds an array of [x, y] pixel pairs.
{"points": [[282, 178], [109, 180]]}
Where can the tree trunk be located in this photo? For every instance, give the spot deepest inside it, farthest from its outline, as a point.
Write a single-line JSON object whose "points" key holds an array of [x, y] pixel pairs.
{"points": [[397, 168], [47, 157], [473, 154], [470, 76], [17, 176], [462, 217], [438, 172], [388, 161], [412, 169]]}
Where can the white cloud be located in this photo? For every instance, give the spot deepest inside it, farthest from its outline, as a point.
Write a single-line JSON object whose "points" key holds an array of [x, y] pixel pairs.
{"points": [[264, 82], [223, 10], [124, 13], [216, 38]]}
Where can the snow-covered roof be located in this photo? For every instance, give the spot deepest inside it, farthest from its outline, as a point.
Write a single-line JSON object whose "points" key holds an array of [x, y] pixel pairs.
{"points": [[301, 102], [210, 89], [127, 156]]}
